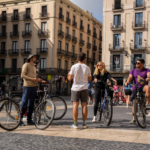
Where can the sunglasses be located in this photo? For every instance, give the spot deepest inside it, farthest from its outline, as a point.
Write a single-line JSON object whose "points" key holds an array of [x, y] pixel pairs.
{"points": [[138, 63]]}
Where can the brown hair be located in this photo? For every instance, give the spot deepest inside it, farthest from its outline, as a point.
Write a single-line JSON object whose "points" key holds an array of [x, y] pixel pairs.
{"points": [[81, 56]]}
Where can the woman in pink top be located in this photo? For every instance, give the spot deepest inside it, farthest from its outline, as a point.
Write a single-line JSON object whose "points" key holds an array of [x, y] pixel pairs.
{"points": [[115, 89]]}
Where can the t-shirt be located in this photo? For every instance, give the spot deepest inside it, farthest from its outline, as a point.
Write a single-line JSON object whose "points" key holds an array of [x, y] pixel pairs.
{"points": [[80, 73], [127, 87], [142, 73], [115, 87]]}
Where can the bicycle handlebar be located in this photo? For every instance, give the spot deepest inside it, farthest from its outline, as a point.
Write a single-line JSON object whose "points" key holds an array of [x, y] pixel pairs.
{"points": [[43, 78]]}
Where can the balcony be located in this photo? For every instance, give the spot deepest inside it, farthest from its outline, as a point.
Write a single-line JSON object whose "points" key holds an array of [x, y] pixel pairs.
{"points": [[60, 52], [61, 17], [68, 54], [26, 34], [100, 50], [15, 18], [61, 34], [117, 27], [94, 48], [42, 51], [139, 5], [74, 56], [3, 35], [68, 21], [74, 24], [26, 17], [44, 15], [119, 48], [81, 43], [26, 51], [14, 34], [118, 68], [13, 70], [138, 26], [81, 28], [74, 39], [88, 45], [13, 52], [100, 38], [89, 60], [117, 7], [43, 33], [3, 19], [3, 52], [68, 37], [88, 31], [138, 47], [95, 35], [3, 71]]}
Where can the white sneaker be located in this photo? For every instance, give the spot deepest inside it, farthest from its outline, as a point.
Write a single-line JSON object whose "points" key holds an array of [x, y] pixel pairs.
{"points": [[84, 126], [127, 106], [74, 126], [24, 119], [94, 119]]}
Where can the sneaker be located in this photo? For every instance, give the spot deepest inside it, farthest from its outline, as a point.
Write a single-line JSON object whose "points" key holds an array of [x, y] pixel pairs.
{"points": [[22, 124], [30, 123], [127, 106], [94, 119], [84, 126], [24, 119], [74, 126], [133, 121]]}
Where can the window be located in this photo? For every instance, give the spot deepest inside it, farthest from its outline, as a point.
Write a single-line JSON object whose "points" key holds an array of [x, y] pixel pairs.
{"points": [[27, 45], [81, 23], [60, 27], [67, 30], [80, 49], [15, 46], [44, 11], [117, 41], [28, 10], [88, 54], [66, 65], [73, 33], [93, 55], [27, 27], [99, 57], [138, 19], [73, 48], [74, 19], [80, 36], [43, 45], [94, 30], [100, 33], [14, 65], [15, 14], [139, 3], [3, 46], [66, 47], [117, 20], [43, 63], [138, 40], [59, 64], [99, 45], [3, 30], [117, 4], [88, 27], [2, 63], [59, 45], [88, 39], [44, 26], [94, 42], [3, 15], [60, 11], [67, 15], [15, 29], [116, 62]]}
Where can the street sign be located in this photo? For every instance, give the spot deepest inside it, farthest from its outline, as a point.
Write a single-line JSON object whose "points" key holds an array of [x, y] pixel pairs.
{"points": [[63, 78], [49, 77], [56, 77]]}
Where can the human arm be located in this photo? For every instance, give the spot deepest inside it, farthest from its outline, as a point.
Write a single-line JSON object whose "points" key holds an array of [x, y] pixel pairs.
{"points": [[71, 74], [148, 77], [129, 79]]}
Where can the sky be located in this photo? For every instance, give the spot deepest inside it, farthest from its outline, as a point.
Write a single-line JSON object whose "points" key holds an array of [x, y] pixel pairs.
{"points": [[93, 6]]}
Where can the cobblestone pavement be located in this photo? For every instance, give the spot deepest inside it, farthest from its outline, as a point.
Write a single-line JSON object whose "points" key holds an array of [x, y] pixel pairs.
{"points": [[119, 135]]}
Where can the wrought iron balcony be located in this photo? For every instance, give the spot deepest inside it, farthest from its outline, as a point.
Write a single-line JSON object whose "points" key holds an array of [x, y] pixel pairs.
{"points": [[89, 60], [13, 52], [3, 19], [138, 47], [81, 42], [138, 26], [15, 18], [94, 48], [117, 7], [117, 27], [68, 37], [44, 15], [14, 34], [26, 33], [61, 34], [74, 56], [3, 52], [13, 70], [26, 17], [138, 5], [74, 24], [61, 16], [88, 45], [68, 54], [3, 71], [43, 33], [60, 52], [25, 51], [81, 28], [95, 35], [89, 31], [119, 48], [3, 35], [74, 39], [42, 51], [68, 20]]}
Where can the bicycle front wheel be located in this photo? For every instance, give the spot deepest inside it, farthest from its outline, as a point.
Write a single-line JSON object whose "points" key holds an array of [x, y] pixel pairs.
{"points": [[44, 114], [139, 112], [10, 114], [61, 107], [107, 111]]}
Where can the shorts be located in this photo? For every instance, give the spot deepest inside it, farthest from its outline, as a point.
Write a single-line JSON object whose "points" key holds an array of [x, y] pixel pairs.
{"points": [[128, 92], [134, 92], [82, 95], [90, 93]]}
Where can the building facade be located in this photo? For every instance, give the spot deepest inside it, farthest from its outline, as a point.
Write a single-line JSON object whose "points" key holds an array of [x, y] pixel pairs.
{"points": [[57, 30], [126, 35]]}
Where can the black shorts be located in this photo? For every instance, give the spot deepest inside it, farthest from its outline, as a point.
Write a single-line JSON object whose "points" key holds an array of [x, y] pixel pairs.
{"points": [[79, 95], [90, 94], [134, 92], [128, 92]]}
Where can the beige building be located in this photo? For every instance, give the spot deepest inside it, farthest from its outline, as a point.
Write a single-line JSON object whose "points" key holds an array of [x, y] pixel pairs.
{"points": [[57, 30], [126, 35]]}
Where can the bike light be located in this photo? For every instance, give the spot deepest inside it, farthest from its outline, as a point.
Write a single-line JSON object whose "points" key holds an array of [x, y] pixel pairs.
{"points": [[54, 100], [15, 117], [47, 107]]}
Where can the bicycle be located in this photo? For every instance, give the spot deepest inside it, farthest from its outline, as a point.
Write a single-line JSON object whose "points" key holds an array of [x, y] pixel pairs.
{"points": [[105, 107], [10, 113]]}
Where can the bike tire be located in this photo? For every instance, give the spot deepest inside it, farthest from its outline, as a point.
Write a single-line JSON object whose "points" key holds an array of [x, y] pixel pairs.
{"points": [[98, 115], [115, 101], [61, 107], [16, 116], [37, 114], [120, 102], [108, 111], [139, 111]]}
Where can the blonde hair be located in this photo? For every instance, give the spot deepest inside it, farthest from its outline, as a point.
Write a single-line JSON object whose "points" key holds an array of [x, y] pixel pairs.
{"points": [[96, 72]]}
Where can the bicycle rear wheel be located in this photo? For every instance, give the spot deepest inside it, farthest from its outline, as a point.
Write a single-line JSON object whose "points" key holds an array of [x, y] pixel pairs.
{"points": [[139, 112], [61, 107], [115, 100], [107, 111], [44, 114], [10, 114]]}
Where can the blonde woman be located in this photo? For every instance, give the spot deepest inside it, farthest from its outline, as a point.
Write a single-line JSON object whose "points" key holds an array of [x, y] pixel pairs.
{"points": [[102, 74]]}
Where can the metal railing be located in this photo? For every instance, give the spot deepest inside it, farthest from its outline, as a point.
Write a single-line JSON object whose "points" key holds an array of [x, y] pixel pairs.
{"points": [[74, 39], [89, 31], [26, 17], [81, 28], [118, 26], [138, 25], [61, 16], [15, 18], [119, 47], [138, 5], [42, 33], [89, 45], [14, 34], [25, 51], [3, 35], [81, 42], [13, 70], [3, 19], [95, 35], [3, 52], [100, 38], [68, 36], [74, 56], [140, 46], [13, 52], [44, 15], [68, 20], [61, 33], [26, 33], [118, 68], [74, 23], [42, 51]]}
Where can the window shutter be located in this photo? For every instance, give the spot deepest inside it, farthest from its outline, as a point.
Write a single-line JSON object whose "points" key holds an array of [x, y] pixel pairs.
{"points": [[132, 61]]}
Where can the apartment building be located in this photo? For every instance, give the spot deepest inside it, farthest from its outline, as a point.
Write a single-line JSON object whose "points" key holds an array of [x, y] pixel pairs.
{"points": [[126, 35], [57, 30]]}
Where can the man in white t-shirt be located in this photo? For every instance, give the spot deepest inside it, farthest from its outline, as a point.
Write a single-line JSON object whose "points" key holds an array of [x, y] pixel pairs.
{"points": [[81, 74]]}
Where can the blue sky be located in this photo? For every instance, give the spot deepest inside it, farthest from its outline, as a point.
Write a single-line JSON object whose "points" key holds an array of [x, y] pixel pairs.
{"points": [[93, 6]]}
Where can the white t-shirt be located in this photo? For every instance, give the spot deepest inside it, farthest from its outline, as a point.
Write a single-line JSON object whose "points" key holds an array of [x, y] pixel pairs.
{"points": [[81, 72]]}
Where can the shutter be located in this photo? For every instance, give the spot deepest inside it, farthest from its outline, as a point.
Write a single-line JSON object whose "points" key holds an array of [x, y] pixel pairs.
{"points": [[144, 57], [111, 62], [45, 26], [132, 61], [121, 61], [45, 44]]}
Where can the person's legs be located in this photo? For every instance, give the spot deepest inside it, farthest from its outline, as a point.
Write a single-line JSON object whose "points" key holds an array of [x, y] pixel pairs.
{"points": [[146, 89], [127, 100], [97, 100], [75, 111]]}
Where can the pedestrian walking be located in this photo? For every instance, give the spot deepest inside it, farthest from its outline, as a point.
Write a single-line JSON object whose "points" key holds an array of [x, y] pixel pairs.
{"points": [[81, 74]]}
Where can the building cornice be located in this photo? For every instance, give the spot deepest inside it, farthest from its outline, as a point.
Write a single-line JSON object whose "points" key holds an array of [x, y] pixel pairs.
{"points": [[2, 2]]}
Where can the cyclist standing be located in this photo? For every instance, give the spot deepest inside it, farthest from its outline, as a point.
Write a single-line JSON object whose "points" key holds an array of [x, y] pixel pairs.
{"points": [[136, 75], [101, 74]]}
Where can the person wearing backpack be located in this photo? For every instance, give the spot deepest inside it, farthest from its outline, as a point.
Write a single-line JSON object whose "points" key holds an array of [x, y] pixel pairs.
{"points": [[90, 85]]}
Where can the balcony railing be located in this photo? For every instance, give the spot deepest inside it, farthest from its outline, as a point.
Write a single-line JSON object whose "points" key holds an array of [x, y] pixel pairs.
{"points": [[60, 52], [100, 50], [61, 16], [26, 33], [95, 35], [26, 17], [42, 51], [138, 47], [25, 51], [120, 47], [139, 5], [3, 19], [68, 20], [118, 68], [89, 31], [81, 28], [68, 37], [138, 25], [74, 24], [88, 45], [74, 56], [61, 34], [3, 71], [3, 35], [43, 33], [89, 60], [100, 38], [81, 42], [117, 7], [68, 54], [13, 52], [117, 27], [74, 39], [14, 34], [14, 71], [94, 48], [15, 18], [44, 15], [3, 52]]}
